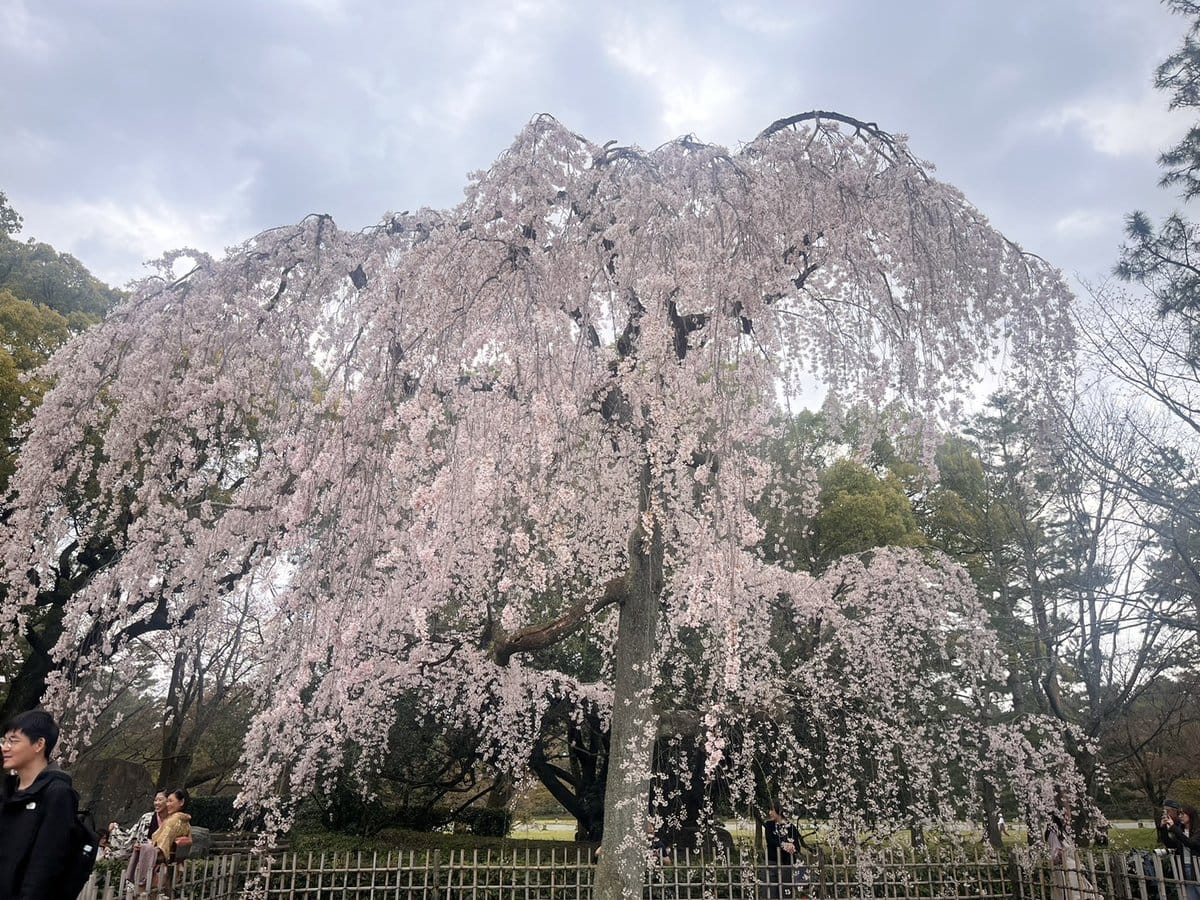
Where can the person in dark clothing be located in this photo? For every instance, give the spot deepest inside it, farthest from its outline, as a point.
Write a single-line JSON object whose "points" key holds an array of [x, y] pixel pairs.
{"points": [[659, 851], [37, 811], [1178, 831], [785, 876]]}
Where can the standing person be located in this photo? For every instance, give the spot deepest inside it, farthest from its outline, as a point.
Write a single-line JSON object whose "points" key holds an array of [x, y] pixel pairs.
{"points": [[37, 812], [146, 857], [659, 851], [1067, 881], [783, 843], [1177, 831], [121, 843]]}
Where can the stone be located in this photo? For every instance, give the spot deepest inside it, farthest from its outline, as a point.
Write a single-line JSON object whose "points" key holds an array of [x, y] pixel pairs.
{"points": [[115, 790]]}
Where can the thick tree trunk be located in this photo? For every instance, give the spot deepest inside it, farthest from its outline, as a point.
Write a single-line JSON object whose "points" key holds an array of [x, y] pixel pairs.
{"points": [[175, 762], [28, 684], [579, 788], [634, 726], [621, 869], [501, 794], [173, 773], [991, 811]]}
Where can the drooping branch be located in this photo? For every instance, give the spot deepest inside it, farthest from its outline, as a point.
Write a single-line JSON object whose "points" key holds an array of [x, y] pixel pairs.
{"points": [[881, 141], [546, 634]]}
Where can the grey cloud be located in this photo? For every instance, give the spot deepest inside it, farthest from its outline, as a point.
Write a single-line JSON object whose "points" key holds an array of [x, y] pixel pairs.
{"points": [[221, 118]]}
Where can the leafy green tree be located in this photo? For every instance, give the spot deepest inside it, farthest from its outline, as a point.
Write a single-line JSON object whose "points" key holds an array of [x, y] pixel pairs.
{"points": [[45, 298], [859, 505], [1056, 550], [1173, 583], [884, 499], [10, 219], [858, 509], [29, 333], [1046, 537], [37, 272], [1163, 259], [1179, 75], [1153, 356], [42, 274]]}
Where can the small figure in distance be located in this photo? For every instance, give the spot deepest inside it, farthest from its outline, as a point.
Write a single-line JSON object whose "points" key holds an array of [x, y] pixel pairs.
{"points": [[37, 812]]}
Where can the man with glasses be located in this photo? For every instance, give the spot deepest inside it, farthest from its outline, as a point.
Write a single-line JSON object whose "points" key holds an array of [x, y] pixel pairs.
{"points": [[37, 812]]}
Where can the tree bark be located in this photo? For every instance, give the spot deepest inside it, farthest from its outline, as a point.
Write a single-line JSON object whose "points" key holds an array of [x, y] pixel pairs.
{"points": [[634, 726], [28, 684], [176, 761], [621, 869], [991, 810], [174, 772]]}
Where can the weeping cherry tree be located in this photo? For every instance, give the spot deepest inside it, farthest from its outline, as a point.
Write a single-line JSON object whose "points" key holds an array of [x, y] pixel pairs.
{"points": [[432, 450]]}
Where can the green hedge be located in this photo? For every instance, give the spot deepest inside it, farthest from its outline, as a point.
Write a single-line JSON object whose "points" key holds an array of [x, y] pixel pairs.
{"points": [[487, 822]]}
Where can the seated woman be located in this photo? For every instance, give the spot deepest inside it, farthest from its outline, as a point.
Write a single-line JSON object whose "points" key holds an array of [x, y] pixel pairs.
{"points": [[121, 842], [146, 857]]}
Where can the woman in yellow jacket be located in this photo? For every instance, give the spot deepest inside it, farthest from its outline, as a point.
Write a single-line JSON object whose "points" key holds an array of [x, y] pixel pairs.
{"points": [[146, 857]]}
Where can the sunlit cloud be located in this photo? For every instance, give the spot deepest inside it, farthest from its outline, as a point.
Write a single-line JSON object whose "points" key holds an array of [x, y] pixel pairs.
{"points": [[123, 236], [1085, 223], [696, 91], [1114, 127]]}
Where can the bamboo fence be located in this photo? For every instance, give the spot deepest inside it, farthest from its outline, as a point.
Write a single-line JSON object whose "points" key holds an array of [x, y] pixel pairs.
{"points": [[566, 874]]}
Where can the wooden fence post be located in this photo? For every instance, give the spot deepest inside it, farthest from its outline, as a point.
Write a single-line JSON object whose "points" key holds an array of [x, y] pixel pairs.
{"points": [[437, 875], [1018, 884]]}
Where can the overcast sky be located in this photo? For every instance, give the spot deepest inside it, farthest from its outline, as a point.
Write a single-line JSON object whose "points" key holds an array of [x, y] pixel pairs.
{"points": [[131, 127]]}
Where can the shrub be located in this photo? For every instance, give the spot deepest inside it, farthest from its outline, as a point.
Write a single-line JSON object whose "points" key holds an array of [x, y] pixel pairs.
{"points": [[1187, 790], [487, 822]]}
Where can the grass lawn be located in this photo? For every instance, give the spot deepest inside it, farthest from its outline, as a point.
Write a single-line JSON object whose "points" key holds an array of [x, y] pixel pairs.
{"points": [[312, 840], [544, 829], [545, 833]]}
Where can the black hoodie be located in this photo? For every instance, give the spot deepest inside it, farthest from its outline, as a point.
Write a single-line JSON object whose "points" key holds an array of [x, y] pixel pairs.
{"points": [[35, 828]]}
